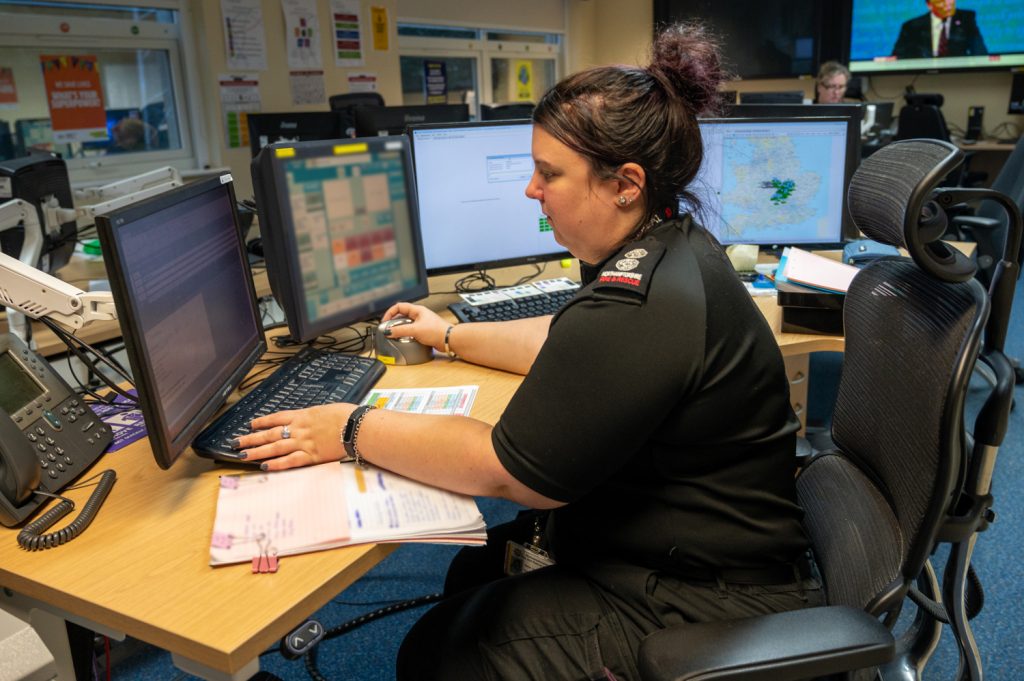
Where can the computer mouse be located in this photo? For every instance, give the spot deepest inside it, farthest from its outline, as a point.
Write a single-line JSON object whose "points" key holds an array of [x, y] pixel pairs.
{"points": [[399, 350]]}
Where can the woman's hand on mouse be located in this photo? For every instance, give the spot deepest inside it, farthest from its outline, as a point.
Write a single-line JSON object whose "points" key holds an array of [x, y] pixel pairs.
{"points": [[427, 327]]}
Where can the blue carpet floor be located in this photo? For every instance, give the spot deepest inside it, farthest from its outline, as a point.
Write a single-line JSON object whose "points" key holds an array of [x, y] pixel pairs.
{"points": [[368, 653]]}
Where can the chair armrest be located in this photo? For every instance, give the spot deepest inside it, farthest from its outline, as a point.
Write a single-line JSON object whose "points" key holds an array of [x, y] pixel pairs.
{"points": [[783, 646], [975, 222]]}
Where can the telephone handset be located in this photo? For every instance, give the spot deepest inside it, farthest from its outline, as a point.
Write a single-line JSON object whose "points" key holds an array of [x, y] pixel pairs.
{"points": [[48, 436]]}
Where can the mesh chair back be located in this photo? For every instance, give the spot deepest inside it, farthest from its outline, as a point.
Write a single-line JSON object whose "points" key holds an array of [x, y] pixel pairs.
{"points": [[913, 331], [910, 344]]}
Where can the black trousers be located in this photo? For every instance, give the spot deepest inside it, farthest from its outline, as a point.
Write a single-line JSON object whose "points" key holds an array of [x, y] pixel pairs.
{"points": [[564, 623]]}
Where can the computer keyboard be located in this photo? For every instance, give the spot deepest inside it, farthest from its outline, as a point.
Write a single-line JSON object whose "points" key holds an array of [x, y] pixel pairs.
{"points": [[309, 378], [516, 302]]}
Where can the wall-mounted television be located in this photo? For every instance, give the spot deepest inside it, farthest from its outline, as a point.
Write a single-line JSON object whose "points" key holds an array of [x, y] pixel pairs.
{"points": [[892, 36], [766, 38]]}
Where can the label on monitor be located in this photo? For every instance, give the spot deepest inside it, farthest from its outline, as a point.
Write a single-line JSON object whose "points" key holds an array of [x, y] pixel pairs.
{"points": [[5, 188]]}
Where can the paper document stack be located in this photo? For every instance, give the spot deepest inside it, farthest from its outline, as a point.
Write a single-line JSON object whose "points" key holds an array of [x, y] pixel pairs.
{"points": [[801, 267], [334, 504]]}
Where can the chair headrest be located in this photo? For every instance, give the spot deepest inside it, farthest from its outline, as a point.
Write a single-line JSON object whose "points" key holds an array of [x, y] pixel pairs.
{"points": [[924, 99], [890, 202]]}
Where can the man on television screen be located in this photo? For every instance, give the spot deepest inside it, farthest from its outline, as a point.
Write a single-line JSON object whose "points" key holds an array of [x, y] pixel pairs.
{"points": [[942, 32]]}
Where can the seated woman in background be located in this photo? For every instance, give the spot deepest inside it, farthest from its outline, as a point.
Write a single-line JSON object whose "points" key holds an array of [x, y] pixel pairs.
{"points": [[652, 433], [833, 79], [133, 134]]}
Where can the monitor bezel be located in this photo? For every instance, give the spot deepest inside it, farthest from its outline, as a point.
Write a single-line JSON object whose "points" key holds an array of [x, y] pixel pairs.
{"points": [[285, 274], [848, 230], [254, 120], [168, 447], [483, 264], [360, 114]]}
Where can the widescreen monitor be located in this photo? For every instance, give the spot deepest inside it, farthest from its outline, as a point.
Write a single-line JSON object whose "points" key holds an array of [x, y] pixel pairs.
{"points": [[775, 182], [896, 35], [471, 180], [340, 230], [393, 120], [765, 38], [185, 299], [854, 112], [298, 126]]}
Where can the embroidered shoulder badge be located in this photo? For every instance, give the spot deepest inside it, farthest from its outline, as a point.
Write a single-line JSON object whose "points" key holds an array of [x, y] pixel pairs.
{"points": [[631, 269]]}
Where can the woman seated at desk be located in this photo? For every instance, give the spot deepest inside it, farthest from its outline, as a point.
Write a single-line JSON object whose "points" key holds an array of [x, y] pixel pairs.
{"points": [[652, 431]]}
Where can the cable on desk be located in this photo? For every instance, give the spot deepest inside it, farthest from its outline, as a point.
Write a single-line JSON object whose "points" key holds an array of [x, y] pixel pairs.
{"points": [[76, 345], [31, 538], [477, 281]]}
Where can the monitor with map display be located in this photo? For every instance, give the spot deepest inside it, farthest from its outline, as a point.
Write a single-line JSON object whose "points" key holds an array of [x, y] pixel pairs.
{"points": [[775, 182]]}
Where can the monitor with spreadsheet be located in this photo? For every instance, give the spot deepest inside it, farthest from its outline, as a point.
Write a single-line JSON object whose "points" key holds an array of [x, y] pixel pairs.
{"points": [[341, 234], [471, 180], [775, 182], [185, 299], [294, 126], [393, 120]]}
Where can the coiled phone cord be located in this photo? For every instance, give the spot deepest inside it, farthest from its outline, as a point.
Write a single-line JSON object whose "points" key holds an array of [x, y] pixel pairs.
{"points": [[31, 538]]}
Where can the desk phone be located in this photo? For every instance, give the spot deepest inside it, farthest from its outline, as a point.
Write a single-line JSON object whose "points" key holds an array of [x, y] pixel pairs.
{"points": [[48, 436]]}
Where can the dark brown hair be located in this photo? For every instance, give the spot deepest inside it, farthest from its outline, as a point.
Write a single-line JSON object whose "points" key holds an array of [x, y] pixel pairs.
{"points": [[618, 114]]}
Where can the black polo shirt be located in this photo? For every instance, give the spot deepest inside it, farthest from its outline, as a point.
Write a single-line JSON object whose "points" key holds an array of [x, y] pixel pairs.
{"points": [[658, 408]]}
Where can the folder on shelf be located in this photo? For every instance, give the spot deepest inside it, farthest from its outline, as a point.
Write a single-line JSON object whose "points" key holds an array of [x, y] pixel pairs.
{"points": [[801, 267]]}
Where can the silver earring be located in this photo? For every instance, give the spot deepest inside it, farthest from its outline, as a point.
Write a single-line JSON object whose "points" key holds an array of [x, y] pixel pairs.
{"points": [[623, 200]]}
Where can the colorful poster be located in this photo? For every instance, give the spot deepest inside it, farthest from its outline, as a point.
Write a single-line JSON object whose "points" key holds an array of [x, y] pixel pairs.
{"points": [[348, 41], [524, 80], [379, 24], [435, 81], [8, 91], [74, 96], [362, 82], [307, 87], [239, 97], [244, 41], [302, 34]]}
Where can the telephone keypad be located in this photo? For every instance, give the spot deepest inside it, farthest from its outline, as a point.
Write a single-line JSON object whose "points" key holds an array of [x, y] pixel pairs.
{"points": [[60, 450]]}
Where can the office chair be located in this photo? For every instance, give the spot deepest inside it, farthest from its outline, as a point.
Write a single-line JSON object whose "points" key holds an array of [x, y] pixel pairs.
{"points": [[346, 103], [921, 118], [990, 225], [349, 99], [905, 474]]}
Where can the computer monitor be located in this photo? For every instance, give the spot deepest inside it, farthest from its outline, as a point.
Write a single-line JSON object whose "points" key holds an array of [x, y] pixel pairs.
{"points": [[40, 178], [185, 299], [852, 111], [775, 182], [788, 97], [33, 133], [341, 234], [298, 126], [471, 180], [393, 120]]}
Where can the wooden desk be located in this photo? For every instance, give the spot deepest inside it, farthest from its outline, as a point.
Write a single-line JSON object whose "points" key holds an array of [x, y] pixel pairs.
{"points": [[142, 568]]}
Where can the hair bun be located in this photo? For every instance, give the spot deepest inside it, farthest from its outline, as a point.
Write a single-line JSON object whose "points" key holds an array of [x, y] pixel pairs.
{"points": [[686, 58]]}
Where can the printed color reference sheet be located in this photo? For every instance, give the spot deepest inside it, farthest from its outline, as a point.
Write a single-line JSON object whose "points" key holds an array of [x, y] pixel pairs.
{"points": [[330, 505]]}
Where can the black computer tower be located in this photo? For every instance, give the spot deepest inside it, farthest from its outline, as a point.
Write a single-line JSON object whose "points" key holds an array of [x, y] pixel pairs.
{"points": [[35, 178]]}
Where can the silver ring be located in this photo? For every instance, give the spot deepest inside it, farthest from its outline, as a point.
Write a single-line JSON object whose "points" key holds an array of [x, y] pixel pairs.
{"points": [[286, 432]]}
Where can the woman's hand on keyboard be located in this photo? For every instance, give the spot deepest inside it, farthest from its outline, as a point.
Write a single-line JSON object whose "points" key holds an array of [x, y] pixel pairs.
{"points": [[312, 437], [427, 327]]}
